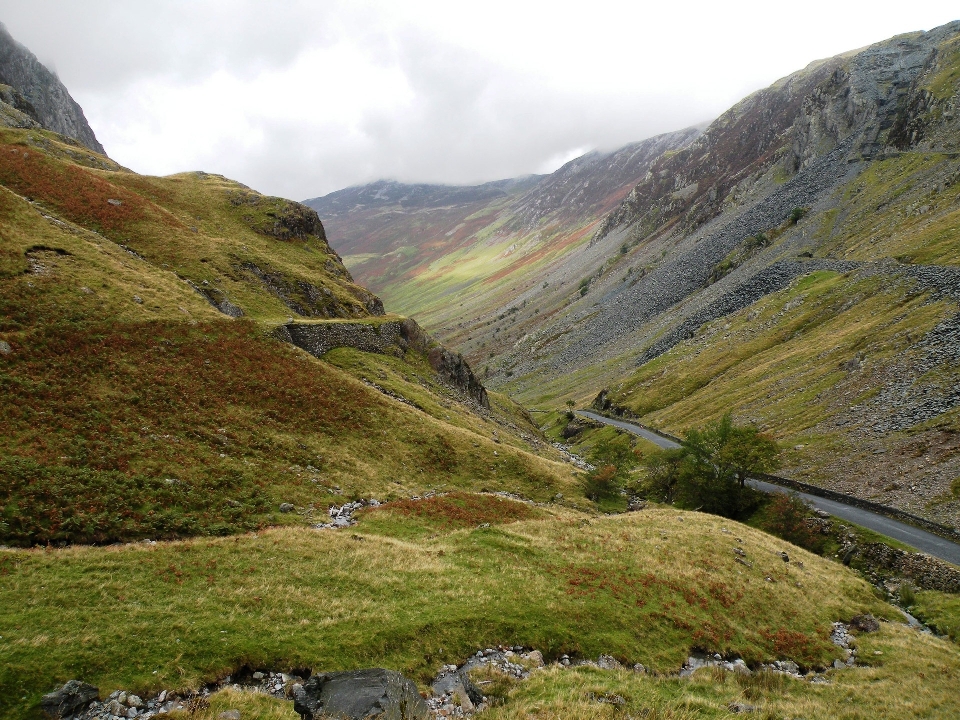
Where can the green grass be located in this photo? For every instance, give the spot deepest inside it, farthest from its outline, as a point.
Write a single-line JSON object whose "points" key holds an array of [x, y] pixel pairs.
{"points": [[643, 587], [941, 611], [907, 675], [135, 410], [195, 226], [882, 216], [170, 429]]}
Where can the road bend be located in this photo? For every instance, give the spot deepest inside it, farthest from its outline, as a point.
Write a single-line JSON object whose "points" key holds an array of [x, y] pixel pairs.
{"points": [[916, 538]]}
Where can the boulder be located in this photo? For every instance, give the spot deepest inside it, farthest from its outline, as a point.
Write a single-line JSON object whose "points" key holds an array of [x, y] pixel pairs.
{"points": [[70, 699], [865, 623], [368, 693], [459, 685]]}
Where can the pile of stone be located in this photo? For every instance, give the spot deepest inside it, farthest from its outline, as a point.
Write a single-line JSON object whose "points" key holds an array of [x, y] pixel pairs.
{"points": [[342, 515]]}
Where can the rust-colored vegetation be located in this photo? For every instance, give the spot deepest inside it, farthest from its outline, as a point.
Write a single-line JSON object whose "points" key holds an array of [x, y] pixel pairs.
{"points": [[460, 509], [78, 193]]}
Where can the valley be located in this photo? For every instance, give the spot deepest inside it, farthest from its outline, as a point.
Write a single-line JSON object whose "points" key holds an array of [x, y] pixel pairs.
{"points": [[249, 443]]}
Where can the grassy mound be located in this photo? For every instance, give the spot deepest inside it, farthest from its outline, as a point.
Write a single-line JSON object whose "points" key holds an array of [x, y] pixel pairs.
{"points": [[646, 587], [166, 429]]}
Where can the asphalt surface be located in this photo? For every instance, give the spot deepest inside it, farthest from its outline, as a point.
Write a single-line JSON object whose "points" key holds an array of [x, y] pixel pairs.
{"points": [[916, 538]]}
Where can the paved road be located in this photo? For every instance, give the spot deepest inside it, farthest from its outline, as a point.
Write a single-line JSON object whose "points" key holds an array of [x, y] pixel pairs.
{"points": [[914, 537]]}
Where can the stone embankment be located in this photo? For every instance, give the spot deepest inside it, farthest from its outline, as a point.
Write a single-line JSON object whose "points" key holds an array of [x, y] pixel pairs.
{"points": [[388, 337]]}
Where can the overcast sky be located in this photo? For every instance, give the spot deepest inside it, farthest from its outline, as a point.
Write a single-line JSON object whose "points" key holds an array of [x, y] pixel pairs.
{"points": [[302, 98]]}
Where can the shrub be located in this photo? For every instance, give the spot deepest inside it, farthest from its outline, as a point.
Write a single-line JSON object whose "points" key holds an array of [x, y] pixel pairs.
{"points": [[614, 459], [786, 516]]}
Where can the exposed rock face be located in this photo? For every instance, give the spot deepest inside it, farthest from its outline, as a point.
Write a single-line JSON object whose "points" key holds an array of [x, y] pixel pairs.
{"points": [[52, 106], [69, 699], [308, 300], [372, 693], [15, 110], [814, 130], [455, 369], [285, 219], [394, 337]]}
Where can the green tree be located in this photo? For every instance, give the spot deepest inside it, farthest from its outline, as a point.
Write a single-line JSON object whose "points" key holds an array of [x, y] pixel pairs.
{"points": [[613, 458], [709, 470], [664, 474]]}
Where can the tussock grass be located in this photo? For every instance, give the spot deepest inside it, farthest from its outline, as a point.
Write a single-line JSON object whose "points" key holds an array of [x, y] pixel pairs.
{"points": [[903, 208], [941, 611], [168, 429], [252, 706], [645, 587], [200, 227]]}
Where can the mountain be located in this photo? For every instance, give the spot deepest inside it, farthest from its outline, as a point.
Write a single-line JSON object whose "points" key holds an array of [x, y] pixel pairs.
{"points": [[801, 237], [456, 264], [160, 364], [798, 264], [292, 481], [37, 93]]}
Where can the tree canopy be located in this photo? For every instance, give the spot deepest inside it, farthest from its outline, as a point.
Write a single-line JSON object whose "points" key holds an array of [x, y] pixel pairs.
{"points": [[709, 470]]}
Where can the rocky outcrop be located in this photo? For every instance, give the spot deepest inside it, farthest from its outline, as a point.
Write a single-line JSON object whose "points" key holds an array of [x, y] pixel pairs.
{"points": [[15, 110], [73, 697], [280, 218], [392, 337], [372, 693], [52, 106], [308, 300], [454, 369]]}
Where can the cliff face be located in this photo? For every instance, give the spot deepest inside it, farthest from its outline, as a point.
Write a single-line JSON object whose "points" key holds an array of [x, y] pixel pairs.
{"points": [[42, 96]]}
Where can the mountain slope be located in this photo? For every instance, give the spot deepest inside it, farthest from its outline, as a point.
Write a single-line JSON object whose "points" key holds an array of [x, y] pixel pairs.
{"points": [[845, 171], [41, 95], [147, 393], [857, 187]]}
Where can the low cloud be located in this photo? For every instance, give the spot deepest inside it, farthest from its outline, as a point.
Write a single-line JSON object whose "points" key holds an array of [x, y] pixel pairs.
{"points": [[301, 98]]}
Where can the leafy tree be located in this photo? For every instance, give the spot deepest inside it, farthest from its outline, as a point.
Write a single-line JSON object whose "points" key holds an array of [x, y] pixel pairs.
{"points": [[664, 474], [709, 470], [613, 459]]}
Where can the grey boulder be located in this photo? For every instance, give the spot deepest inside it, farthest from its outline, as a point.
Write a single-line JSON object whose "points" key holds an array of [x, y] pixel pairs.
{"points": [[360, 694], [68, 700]]}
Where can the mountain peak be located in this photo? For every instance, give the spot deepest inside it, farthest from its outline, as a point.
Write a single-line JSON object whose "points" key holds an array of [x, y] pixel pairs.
{"points": [[47, 100]]}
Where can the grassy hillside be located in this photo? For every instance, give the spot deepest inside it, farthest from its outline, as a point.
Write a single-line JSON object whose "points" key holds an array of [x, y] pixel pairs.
{"points": [[138, 407], [414, 586], [851, 364], [814, 366]]}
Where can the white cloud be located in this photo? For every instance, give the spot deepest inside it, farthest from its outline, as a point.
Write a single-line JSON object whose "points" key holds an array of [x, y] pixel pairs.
{"points": [[301, 98]]}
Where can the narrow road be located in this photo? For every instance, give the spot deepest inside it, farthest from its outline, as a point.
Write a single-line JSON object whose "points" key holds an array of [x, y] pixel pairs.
{"points": [[922, 540]]}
